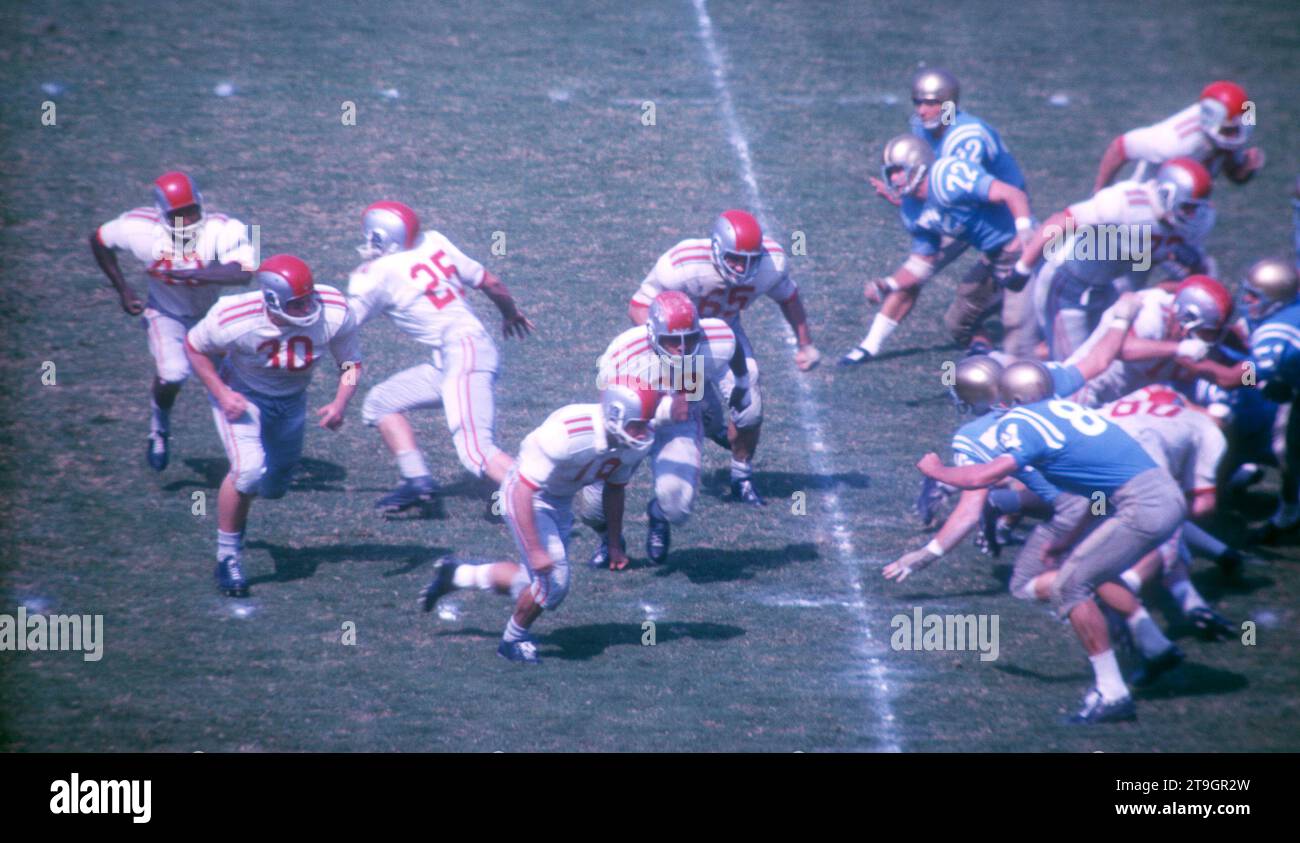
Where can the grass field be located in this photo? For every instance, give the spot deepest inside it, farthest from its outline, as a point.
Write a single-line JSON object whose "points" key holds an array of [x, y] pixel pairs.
{"points": [[526, 118]]}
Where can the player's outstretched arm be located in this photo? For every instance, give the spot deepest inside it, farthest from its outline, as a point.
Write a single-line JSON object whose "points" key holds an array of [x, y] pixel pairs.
{"points": [[513, 322], [1223, 376], [107, 260], [963, 518], [1118, 321], [613, 498], [638, 312], [968, 476], [222, 274], [1017, 201], [807, 356], [332, 414], [1111, 160]]}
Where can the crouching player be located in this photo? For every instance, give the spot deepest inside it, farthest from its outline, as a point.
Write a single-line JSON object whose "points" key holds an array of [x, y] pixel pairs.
{"points": [[576, 446], [270, 339], [1080, 452]]}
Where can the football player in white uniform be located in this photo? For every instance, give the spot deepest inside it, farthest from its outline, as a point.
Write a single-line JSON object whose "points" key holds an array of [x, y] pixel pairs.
{"points": [[687, 358], [270, 340], [1091, 244], [1189, 445], [418, 279], [190, 257], [1214, 130], [1169, 342], [722, 276], [576, 446]]}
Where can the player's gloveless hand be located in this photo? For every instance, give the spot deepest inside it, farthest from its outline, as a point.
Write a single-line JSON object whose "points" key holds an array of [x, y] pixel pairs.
{"points": [[883, 191], [233, 405], [908, 563], [518, 325], [807, 358], [617, 558], [930, 464], [331, 416], [132, 305]]}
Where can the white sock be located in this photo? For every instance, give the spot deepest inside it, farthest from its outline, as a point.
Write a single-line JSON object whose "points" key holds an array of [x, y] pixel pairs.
{"points": [[1187, 596], [881, 327], [411, 464], [1132, 579], [1110, 682], [159, 419], [514, 632], [741, 470], [229, 544], [1150, 640], [473, 576]]}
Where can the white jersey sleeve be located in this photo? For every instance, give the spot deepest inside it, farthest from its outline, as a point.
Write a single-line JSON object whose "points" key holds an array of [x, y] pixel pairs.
{"points": [[662, 275], [232, 244], [1172, 137], [367, 295], [470, 271], [136, 232], [345, 336], [1123, 203], [570, 450]]}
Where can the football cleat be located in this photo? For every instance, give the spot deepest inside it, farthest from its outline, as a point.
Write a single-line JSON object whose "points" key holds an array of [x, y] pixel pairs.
{"points": [[978, 348], [1151, 669], [658, 538], [230, 577], [855, 356], [1230, 563], [987, 539], [441, 584], [519, 651], [743, 491], [932, 504], [1097, 710], [412, 491], [1210, 625], [157, 452], [600, 556]]}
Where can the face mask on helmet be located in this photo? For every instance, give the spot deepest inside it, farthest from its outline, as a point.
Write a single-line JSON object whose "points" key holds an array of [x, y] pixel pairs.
{"points": [[179, 203], [930, 90], [1270, 285], [288, 291], [1223, 112], [627, 409], [737, 246], [975, 385], [389, 227]]}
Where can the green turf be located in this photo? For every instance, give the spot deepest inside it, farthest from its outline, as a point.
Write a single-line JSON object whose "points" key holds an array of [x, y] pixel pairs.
{"points": [[524, 118]]}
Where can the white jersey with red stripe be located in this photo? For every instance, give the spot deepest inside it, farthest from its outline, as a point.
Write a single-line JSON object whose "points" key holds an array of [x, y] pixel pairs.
{"points": [[1154, 321], [630, 355], [421, 289], [1184, 441], [1177, 136], [219, 238], [571, 450], [688, 267], [270, 359]]}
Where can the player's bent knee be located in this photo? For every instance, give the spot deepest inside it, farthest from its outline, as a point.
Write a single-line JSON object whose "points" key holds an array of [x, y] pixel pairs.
{"points": [[374, 408], [550, 589], [676, 498], [248, 480]]}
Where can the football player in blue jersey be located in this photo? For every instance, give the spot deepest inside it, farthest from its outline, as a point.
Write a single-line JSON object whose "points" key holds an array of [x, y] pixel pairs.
{"points": [[955, 198], [1126, 507], [1269, 296]]}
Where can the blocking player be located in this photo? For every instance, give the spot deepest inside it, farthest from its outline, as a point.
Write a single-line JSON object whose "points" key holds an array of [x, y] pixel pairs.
{"points": [[1162, 221], [270, 340], [190, 258], [955, 198], [687, 358], [1269, 296], [1079, 452], [576, 446], [722, 276], [418, 280], [1214, 131]]}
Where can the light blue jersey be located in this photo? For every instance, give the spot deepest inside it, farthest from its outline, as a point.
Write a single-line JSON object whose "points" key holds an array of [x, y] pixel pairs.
{"points": [[1275, 347], [957, 205], [977, 442], [1073, 447], [971, 139]]}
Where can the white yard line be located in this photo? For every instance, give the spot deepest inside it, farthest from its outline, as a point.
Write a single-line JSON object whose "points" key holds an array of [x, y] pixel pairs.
{"points": [[820, 455]]}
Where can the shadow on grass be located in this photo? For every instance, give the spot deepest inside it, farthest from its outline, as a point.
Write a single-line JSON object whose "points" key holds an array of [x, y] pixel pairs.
{"points": [[1026, 673], [311, 476], [578, 643], [1193, 680], [708, 565], [297, 563], [778, 486]]}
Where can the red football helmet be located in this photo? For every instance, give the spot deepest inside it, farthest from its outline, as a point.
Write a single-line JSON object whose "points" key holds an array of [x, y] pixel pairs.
{"points": [[673, 317], [1183, 186], [390, 227], [1223, 107], [628, 407], [176, 195], [737, 246], [1203, 307], [285, 279]]}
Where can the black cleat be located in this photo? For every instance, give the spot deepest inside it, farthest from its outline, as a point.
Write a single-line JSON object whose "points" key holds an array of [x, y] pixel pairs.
{"points": [[1096, 710], [987, 539], [1151, 669], [930, 502], [721, 440], [156, 451], [977, 348], [1210, 625], [443, 571], [855, 356], [412, 491], [600, 556], [519, 651], [743, 491], [230, 577], [1230, 563], [658, 538]]}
